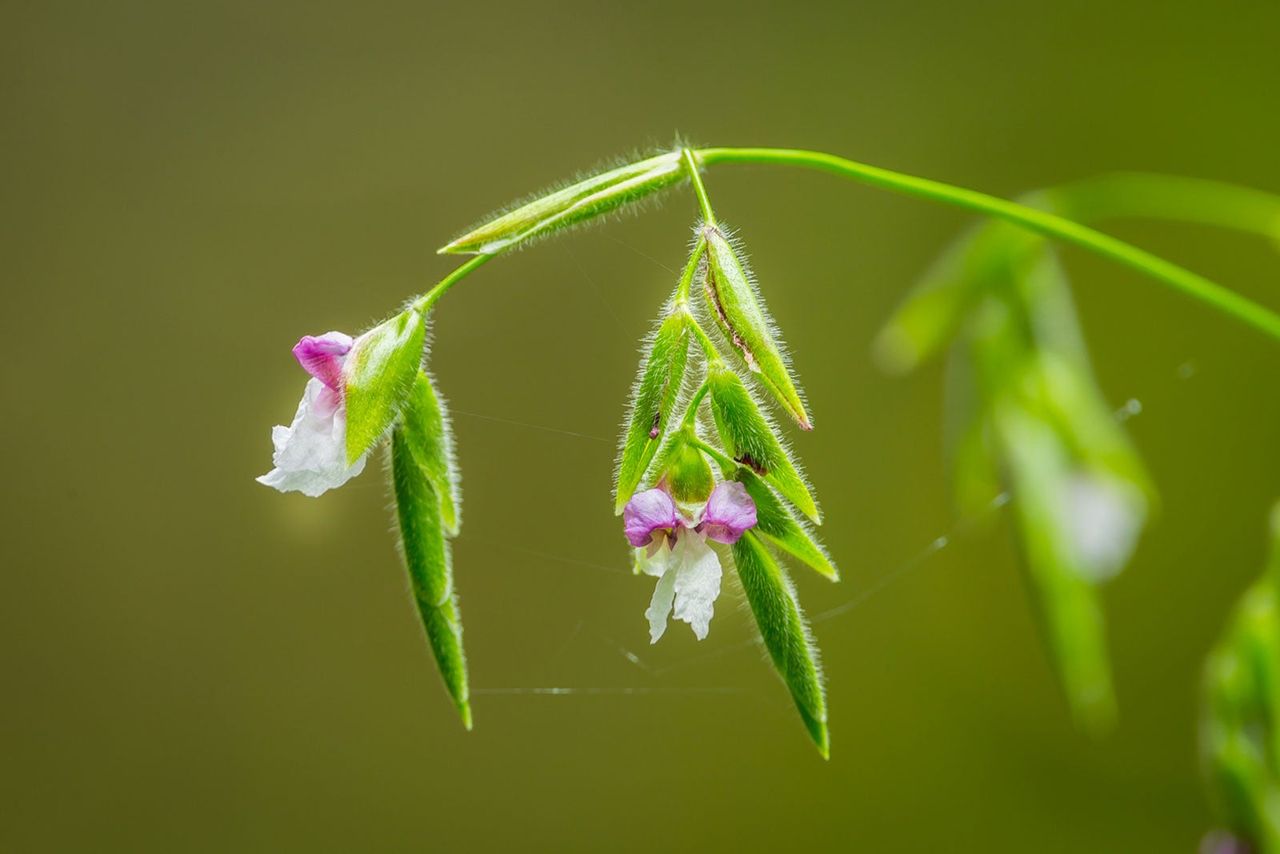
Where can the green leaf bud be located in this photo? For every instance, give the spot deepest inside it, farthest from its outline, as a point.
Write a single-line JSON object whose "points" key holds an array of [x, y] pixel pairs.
{"points": [[685, 471]]}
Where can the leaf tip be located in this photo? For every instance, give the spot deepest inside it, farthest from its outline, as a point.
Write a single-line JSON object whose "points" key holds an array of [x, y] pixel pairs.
{"points": [[464, 712], [821, 736]]}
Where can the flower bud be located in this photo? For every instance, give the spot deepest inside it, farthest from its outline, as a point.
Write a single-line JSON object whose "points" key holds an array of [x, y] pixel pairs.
{"points": [[576, 203], [686, 472]]}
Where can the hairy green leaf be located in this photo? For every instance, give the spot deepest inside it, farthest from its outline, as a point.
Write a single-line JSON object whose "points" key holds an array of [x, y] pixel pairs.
{"points": [[776, 524], [427, 434], [653, 401], [570, 205], [426, 556], [752, 441], [740, 312], [782, 627], [381, 371]]}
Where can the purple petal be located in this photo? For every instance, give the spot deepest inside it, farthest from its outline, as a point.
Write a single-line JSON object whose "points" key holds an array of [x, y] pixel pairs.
{"points": [[322, 356], [647, 512], [730, 511]]}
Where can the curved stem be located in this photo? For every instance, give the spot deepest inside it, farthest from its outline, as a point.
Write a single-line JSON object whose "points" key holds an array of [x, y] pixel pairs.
{"points": [[424, 303], [695, 178], [1041, 222], [691, 414], [715, 453]]}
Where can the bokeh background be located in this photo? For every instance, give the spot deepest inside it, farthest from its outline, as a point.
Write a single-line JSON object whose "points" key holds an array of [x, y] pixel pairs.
{"points": [[192, 662]]}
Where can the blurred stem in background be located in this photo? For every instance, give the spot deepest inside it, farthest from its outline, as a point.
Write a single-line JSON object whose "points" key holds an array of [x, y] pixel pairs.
{"points": [[1240, 729]]}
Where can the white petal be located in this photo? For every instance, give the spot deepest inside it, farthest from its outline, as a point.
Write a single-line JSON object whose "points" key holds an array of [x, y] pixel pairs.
{"points": [[697, 573], [660, 606], [311, 454], [654, 560], [1103, 517]]}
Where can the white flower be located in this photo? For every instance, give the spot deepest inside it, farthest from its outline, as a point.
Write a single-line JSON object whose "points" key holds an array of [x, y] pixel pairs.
{"points": [[675, 551], [311, 453], [688, 578]]}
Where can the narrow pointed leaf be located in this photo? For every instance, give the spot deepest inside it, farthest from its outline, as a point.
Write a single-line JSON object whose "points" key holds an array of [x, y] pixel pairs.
{"points": [[429, 438], [740, 312], [777, 525], [571, 205], [426, 556], [785, 635], [1061, 586], [653, 400], [752, 441], [381, 371]]}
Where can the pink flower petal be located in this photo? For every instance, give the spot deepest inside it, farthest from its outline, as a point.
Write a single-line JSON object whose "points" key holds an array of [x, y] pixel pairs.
{"points": [[730, 511], [322, 356], [647, 512]]}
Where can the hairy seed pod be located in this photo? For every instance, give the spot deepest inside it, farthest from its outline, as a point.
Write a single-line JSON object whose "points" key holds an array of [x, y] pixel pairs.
{"points": [[425, 549], [653, 401], [785, 635], [570, 205], [778, 526], [740, 313]]}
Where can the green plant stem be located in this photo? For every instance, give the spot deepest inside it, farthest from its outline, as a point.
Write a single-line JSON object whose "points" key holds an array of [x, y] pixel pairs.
{"points": [[691, 413], [695, 178], [1041, 222], [715, 453], [424, 303]]}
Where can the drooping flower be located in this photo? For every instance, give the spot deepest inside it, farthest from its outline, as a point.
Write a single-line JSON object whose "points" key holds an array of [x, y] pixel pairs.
{"points": [[311, 453], [674, 549]]}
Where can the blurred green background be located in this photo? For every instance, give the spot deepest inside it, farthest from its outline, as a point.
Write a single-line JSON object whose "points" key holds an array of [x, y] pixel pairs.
{"points": [[192, 662]]}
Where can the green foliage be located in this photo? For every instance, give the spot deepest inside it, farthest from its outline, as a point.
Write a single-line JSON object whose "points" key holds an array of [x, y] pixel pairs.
{"points": [[653, 403], [1025, 409], [739, 310], [785, 635], [1240, 727], [419, 459], [750, 439], [570, 205], [777, 525], [381, 372]]}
